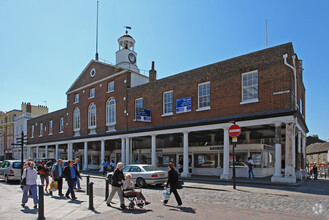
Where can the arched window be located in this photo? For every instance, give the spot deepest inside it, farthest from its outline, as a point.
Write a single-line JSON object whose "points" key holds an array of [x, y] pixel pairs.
{"points": [[110, 111], [76, 119], [92, 116]]}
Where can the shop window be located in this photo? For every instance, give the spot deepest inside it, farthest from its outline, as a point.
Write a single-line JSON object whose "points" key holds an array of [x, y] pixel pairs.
{"points": [[256, 158], [163, 160], [209, 160]]}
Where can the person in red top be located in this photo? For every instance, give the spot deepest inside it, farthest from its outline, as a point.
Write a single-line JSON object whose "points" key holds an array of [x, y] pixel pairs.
{"points": [[44, 174]]}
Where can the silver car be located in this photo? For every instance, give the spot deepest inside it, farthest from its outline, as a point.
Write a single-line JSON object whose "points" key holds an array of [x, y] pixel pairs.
{"points": [[144, 174], [11, 170]]}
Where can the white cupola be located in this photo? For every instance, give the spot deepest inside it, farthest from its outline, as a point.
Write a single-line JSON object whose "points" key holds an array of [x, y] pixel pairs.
{"points": [[126, 57]]}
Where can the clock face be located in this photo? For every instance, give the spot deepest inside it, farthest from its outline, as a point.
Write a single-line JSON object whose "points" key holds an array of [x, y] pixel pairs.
{"points": [[132, 58]]}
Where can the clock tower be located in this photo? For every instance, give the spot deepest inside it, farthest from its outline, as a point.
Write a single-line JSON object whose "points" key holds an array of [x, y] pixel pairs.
{"points": [[126, 57]]}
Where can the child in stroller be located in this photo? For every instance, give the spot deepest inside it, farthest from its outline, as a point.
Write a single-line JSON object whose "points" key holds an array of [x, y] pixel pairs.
{"points": [[131, 193]]}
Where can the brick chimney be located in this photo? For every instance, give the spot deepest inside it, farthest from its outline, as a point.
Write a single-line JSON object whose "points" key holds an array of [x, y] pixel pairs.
{"points": [[152, 74]]}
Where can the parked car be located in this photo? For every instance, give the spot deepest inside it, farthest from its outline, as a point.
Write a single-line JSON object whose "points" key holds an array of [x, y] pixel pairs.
{"points": [[238, 165], [49, 161], [11, 170], [143, 174]]}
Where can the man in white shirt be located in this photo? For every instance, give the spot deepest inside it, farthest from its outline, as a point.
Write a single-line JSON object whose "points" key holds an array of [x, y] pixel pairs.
{"points": [[251, 167]]}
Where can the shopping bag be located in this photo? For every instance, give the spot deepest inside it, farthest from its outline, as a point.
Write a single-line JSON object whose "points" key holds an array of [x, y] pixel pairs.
{"points": [[53, 186], [166, 194]]}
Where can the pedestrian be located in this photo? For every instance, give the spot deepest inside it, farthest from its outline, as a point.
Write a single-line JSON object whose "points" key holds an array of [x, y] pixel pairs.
{"points": [[112, 165], [71, 175], [44, 174], [25, 164], [180, 165], [173, 184], [251, 168], [117, 179], [129, 190], [56, 174], [104, 165], [315, 171], [79, 169], [31, 184]]}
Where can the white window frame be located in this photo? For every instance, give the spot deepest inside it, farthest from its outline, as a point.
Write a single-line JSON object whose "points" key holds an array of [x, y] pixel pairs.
{"points": [[136, 100], [92, 93], [166, 102], [76, 98], [251, 100], [41, 130], [32, 131], [76, 119], [203, 107], [109, 87], [110, 107], [92, 125], [50, 127], [61, 125]]}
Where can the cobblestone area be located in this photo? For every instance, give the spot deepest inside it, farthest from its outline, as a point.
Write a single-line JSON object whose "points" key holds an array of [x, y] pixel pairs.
{"points": [[294, 200]]}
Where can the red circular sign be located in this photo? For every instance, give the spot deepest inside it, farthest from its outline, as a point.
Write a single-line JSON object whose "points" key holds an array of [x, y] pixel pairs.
{"points": [[234, 130]]}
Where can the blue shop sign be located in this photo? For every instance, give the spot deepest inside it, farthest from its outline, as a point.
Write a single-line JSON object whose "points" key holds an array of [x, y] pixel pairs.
{"points": [[184, 105], [143, 114]]}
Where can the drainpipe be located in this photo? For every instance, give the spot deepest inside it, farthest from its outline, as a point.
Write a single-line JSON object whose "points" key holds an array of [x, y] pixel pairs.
{"points": [[295, 73]]}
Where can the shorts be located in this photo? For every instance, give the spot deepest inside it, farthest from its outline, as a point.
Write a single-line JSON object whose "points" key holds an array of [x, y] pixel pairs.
{"points": [[44, 177]]}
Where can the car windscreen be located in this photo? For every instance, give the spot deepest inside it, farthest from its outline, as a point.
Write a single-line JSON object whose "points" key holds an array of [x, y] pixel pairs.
{"points": [[17, 165], [151, 168]]}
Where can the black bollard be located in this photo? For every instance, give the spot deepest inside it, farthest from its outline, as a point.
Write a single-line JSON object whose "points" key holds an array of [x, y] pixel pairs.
{"points": [[88, 179], [91, 196], [41, 211], [106, 188]]}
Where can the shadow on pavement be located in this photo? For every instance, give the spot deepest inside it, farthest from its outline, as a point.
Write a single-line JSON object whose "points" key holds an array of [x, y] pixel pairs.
{"points": [[133, 211], [76, 202], [182, 209], [27, 210]]}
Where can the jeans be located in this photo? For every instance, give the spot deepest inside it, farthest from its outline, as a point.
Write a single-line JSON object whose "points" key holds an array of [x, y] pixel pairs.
{"points": [[252, 172], [70, 184], [114, 190], [60, 185], [77, 183], [104, 170], [33, 189]]}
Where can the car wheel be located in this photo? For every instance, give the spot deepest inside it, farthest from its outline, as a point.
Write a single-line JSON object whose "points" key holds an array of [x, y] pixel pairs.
{"points": [[110, 179], [6, 179], [140, 182]]}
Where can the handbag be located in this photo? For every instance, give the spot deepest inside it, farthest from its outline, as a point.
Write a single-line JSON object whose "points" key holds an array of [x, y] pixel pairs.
{"points": [[23, 181], [53, 186]]}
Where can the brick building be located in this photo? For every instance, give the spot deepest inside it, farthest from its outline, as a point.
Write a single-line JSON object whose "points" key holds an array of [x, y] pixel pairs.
{"points": [[115, 112]]}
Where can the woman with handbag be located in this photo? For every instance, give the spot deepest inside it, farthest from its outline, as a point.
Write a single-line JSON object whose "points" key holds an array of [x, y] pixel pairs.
{"points": [[30, 175], [173, 184]]}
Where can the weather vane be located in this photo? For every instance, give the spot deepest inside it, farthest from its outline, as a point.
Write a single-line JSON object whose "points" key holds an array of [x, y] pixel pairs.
{"points": [[127, 27]]}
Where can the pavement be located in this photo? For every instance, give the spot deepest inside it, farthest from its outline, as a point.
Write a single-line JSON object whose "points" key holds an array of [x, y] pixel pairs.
{"points": [[202, 198]]}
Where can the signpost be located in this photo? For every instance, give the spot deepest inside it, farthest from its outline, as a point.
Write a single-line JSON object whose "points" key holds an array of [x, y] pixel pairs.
{"points": [[234, 131]]}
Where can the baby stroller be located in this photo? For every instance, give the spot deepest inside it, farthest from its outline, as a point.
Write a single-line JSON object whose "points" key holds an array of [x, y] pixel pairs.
{"points": [[132, 200]]}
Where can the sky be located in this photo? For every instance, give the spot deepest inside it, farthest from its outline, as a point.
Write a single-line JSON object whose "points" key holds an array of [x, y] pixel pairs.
{"points": [[46, 44]]}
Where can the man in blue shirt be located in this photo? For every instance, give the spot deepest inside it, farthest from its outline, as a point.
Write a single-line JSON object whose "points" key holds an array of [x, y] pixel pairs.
{"points": [[104, 165], [71, 174], [56, 174]]}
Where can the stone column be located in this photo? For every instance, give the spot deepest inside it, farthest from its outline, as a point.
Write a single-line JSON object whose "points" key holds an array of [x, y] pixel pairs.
{"points": [[185, 156], [278, 153], [46, 151], [56, 152], [131, 151], [247, 137], [299, 157], [123, 151], [85, 156], [127, 151], [37, 153], [226, 157], [70, 151], [103, 150], [154, 159], [290, 154]]}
